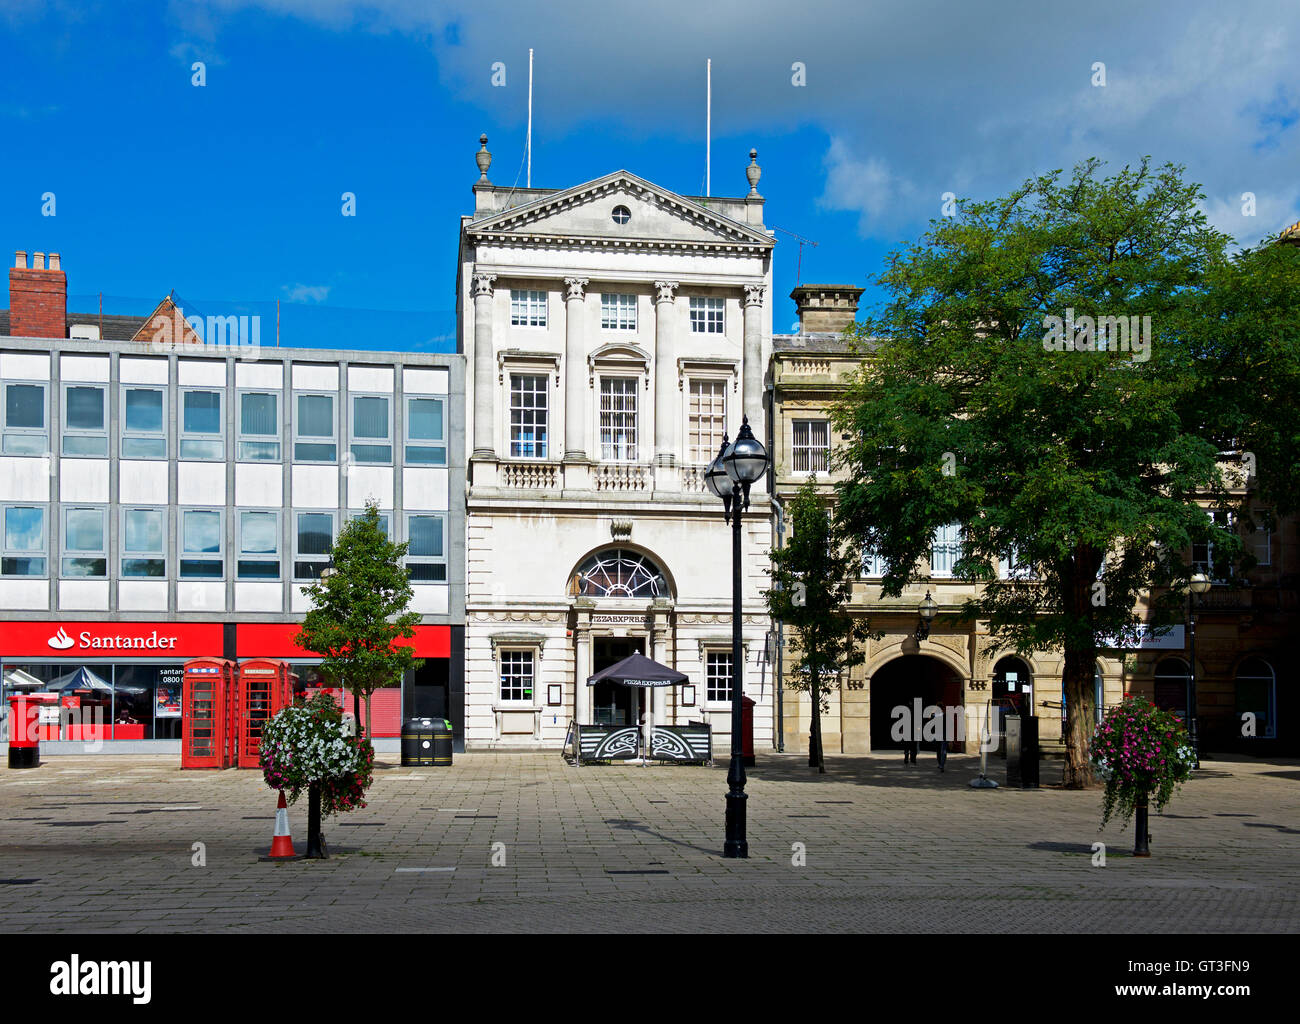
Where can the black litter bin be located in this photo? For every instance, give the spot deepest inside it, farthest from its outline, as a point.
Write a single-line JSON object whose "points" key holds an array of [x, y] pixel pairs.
{"points": [[442, 740], [1022, 751], [417, 742]]}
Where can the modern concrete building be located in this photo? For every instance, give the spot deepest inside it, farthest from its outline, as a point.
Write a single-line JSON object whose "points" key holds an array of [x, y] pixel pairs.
{"points": [[1245, 660], [614, 332], [163, 498]]}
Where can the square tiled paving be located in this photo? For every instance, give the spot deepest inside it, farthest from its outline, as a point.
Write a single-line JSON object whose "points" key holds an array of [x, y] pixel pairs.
{"points": [[524, 842]]}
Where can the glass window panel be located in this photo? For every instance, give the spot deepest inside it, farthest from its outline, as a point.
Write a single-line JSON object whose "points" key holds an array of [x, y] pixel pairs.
{"points": [[80, 567], [315, 533], [143, 567], [426, 536], [144, 448], [85, 530], [316, 416], [144, 410], [426, 455], [24, 529], [259, 570], [202, 412], [372, 452], [85, 444], [22, 566], [259, 451], [144, 530], [24, 444], [259, 533], [427, 572], [201, 532], [85, 408], [424, 419], [369, 417], [314, 452], [191, 449], [25, 406], [257, 415]]}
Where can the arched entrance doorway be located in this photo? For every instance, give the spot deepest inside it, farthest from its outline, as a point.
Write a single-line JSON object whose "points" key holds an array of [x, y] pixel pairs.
{"points": [[898, 684]]}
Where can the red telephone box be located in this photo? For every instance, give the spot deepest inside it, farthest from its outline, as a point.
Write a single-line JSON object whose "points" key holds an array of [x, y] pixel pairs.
{"points": [[209, 713], [265, 686]]}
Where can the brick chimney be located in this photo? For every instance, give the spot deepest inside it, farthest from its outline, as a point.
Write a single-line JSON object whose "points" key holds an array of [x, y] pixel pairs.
{"points": [[826, 307], [38, 298]]}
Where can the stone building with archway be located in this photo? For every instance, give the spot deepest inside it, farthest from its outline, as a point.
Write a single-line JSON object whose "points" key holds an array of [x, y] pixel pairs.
{"points": [[614, 331]]}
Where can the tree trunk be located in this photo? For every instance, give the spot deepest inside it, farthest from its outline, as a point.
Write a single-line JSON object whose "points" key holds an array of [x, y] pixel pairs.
{"points": [[815, 757], [1080, 703], [366, 734]]}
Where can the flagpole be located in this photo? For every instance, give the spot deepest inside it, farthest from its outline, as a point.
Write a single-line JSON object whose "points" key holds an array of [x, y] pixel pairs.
{"points": [[708, 128], [529, 181]]}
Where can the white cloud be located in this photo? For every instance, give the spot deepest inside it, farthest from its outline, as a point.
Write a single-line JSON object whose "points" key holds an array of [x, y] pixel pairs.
{"points": [[306, 292]]}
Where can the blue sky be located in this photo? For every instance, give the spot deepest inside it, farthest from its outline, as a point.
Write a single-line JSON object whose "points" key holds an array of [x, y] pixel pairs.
{"points": [[230, 193]]}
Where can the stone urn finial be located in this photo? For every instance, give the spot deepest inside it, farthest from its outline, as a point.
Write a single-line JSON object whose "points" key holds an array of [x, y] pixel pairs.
{"points": [[753, 172], [484, 160]]}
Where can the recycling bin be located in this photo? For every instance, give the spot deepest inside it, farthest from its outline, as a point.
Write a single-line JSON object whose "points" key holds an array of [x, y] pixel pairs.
{"points": [[442, 741]]}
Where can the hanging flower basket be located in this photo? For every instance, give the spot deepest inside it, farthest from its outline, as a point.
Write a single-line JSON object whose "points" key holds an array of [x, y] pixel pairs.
{"points": [[1143, 755], [305, 745]]}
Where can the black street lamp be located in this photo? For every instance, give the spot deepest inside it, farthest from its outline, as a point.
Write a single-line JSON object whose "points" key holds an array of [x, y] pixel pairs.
{"points": [[1199, 585], [737, 468], [927, 609]]}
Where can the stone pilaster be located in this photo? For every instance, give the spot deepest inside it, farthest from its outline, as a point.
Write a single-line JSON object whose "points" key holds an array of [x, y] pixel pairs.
{"points": [[667, 446], [582, 662], [483, 385], [752, 405]]}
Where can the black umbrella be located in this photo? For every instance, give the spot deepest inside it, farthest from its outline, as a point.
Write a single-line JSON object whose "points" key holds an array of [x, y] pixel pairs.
{"points": [[639, 672]]}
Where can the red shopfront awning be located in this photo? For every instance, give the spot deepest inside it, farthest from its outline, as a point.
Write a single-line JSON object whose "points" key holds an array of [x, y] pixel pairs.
{"points": [[275, 640]]}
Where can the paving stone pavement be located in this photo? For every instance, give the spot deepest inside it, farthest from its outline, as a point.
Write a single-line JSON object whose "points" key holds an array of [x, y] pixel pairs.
{"points": [[106, 844]]}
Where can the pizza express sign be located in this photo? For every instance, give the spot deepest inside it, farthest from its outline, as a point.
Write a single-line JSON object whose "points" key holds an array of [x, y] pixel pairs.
{"points": [[118, 639]]}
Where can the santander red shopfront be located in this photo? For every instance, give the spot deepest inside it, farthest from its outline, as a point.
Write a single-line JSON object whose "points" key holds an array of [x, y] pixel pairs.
{"points": [[121, 681]]}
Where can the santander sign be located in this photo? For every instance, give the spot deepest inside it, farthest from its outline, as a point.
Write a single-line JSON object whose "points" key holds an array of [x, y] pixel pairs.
{"points": [[120, 639], [60, 641]]}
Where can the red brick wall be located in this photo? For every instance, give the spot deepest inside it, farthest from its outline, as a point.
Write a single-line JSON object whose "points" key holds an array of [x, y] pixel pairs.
{"points": [[38, 303]]}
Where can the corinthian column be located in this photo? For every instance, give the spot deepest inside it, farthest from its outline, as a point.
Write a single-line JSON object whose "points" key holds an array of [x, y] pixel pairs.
{"points": [[666, 446], [753, 356], [483, 443], [575, 298]]}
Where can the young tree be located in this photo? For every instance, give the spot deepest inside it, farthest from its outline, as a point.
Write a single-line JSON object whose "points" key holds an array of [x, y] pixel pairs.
{"points": [[812, 579], [1058, 371], [359, 611]]}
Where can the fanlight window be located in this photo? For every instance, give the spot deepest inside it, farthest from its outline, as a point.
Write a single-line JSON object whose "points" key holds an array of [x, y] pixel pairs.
{"points": [[618, 572]]}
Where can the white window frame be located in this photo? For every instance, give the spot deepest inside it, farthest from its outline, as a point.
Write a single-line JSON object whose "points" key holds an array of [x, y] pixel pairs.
{"points": [[242, 438], [618, 311], [260, 557], [151, 436], [41, 552], [633, 388], [316, 439], [428, 560], [1206, 565], [150, 554], [203, 438], [710, 655], [1011, 567], [184, 555], [68, 554], [541, 449], [532, 659], [99, 433], [24, 433], [947, 538], [708, 314], [424, 444], [528, 307], [355, 441], [320, 561], [1262, 540], [703, 454], [808, 448], [873, 566]]}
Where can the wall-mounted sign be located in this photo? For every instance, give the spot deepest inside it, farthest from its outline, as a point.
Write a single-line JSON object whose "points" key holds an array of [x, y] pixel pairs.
{"points": [[113, 639], [618, 620], [1150, 638]]}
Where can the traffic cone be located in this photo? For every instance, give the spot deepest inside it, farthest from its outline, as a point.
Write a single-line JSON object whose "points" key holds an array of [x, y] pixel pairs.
{"points": [[282, 842]]}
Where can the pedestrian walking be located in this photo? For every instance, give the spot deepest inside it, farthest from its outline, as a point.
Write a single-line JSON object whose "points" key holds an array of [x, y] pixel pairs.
{"points": [[943, 739]]}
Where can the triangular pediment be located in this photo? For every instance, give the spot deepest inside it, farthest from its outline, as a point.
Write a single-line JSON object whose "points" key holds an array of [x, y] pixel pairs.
{"points": [[586, 212], [166, 326]]}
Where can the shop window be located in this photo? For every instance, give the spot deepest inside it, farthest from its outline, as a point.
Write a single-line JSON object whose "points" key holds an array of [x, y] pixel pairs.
{"points": [[314, 428], [201, 435], [313, 544], [259, 427], [371, 429], [707, 316], [143, 542], [516, 675], [717, 677], [259, 545], [25, 422], [84, 543], [201, 544], [25, 543], [85, 420], [1256, 688], [426, 443], [528, 416], [144, 431], [426, 559]]}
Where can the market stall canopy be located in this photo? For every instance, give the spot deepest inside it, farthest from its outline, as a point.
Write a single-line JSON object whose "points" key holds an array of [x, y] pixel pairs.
{"points": [[79, 679], [638, 670]]}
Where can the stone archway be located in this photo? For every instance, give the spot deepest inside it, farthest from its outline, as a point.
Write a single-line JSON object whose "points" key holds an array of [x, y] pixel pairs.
{"points": [[902, 680]]}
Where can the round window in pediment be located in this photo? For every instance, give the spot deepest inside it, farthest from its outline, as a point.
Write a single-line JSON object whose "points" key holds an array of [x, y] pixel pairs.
{"points": [[622, 215]]}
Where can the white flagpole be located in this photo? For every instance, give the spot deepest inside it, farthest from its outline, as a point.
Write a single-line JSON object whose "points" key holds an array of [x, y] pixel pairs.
{"points": [[529, 182], [708, 128]]}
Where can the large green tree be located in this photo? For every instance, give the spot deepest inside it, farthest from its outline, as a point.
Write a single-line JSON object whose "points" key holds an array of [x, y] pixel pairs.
{"points": [[812, 584], [995, 395], [359, 611]]}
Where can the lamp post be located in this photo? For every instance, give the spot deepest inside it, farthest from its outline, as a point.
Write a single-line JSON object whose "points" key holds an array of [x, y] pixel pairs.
{"points": [[927, 609], [738, 467], [1199, 585]]}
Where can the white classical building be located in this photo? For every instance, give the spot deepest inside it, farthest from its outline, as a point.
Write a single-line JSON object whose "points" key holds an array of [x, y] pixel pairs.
{"points": [[613, 332]]}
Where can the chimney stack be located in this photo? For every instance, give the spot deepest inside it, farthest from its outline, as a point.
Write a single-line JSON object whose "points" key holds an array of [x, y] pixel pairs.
{"points": [[826, 307], [38, 298]]}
